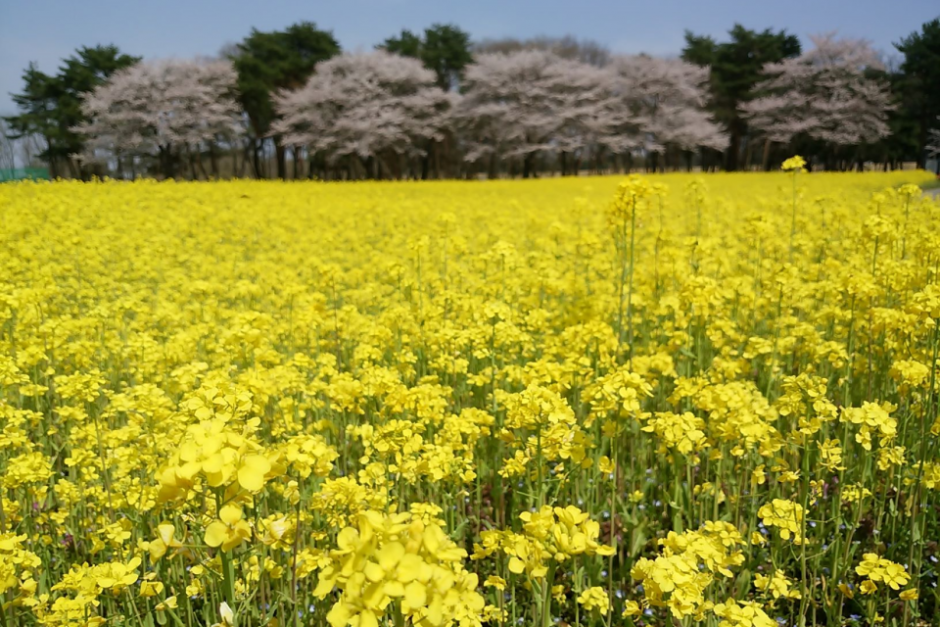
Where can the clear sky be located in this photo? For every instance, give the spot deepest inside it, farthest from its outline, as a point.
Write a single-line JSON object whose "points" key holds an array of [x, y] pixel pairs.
{"points": [[45, 31]]}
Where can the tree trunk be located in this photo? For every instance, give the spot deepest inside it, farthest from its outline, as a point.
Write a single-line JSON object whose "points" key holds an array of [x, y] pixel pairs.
{"points": [[214, 160], [280, 156], [527, 164], [765, 161], [202, 167], [256, 157], [297, 165], [923, 133], [51, 160], [192, 163], [734, 149]]}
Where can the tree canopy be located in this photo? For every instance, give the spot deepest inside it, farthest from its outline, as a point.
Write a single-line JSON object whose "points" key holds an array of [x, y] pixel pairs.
{"points": [[920, 81], [268, 62], [51, 105], [507, 105], [444, 49], [736, 67]]}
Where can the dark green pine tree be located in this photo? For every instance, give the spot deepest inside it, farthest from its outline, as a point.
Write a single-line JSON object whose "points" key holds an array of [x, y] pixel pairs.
{"points": [[735, 71], [267, 62], [444, 49], [919, 84], [50, 106]]}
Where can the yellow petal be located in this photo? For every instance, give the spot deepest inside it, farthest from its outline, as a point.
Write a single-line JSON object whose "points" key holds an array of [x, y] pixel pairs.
{"points": [[373, 572], [394, 589], [230, 514], [416, 595], [390, 555], [157, 550], [325, 583], [252, 471], [216, 533], [339, 615], [409, 568], [226, 614], [166, 532], [212, 464]]}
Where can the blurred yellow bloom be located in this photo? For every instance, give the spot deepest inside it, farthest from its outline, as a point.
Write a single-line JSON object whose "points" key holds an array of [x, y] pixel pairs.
{"points": [[229, 531]]}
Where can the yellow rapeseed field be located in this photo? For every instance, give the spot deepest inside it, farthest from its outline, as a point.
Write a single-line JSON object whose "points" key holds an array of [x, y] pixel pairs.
{"points": [[645, 400]]}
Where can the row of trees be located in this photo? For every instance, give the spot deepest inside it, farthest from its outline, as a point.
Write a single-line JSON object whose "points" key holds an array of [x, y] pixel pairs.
{"points": [[290, 104]]}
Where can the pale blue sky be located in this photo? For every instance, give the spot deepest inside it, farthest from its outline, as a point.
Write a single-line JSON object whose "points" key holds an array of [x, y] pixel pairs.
{"points": [[45, 31]]}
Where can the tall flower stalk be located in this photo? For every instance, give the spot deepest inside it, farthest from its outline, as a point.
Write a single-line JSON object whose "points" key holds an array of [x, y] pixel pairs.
{"points": [[622, 222], [793, 165]]}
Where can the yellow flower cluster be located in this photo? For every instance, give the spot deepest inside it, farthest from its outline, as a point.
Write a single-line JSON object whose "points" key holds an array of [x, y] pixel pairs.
{"points": [[397, 558], [787, 516], [687, 566], [877, 569], [777, 585], [266, 403], [794, 164], [549, 534], [742, 614]]}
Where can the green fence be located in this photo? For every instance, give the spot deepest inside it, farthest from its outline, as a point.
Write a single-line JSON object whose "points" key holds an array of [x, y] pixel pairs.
{"points": [[21, 174]]}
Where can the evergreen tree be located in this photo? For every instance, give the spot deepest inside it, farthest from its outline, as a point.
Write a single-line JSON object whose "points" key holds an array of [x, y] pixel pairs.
{"points": [[51, 106], [444, 49], [736, 67], [919, 85], [269, 62]]}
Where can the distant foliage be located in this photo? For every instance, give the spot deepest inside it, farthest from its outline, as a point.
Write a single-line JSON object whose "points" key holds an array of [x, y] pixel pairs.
{"points": [[268, 62], [373, 104], [567, 47], [435, 104], [444, 49], [825, 94], [665, 103], [520, 103], [160, 107], [50, 105]]}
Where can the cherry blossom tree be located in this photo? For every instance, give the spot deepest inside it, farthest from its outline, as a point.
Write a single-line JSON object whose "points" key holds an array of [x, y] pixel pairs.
{"points": [[163, 108], [376, 106], [521, 103], [663, 104], [824, 94]]}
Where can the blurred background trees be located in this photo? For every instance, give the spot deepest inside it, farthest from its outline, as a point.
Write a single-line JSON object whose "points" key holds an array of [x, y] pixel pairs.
{"points": [[176, 110], [436, 104], [50, 105], [735, 68], [267, 62]]}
